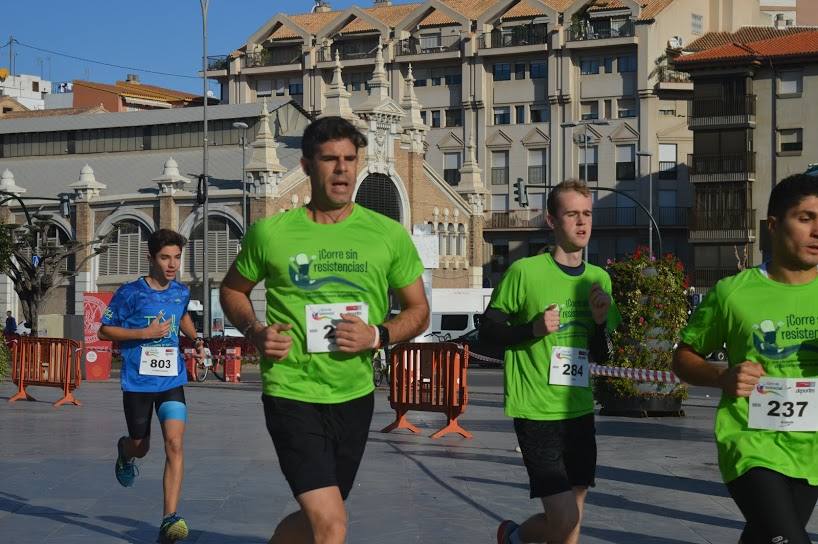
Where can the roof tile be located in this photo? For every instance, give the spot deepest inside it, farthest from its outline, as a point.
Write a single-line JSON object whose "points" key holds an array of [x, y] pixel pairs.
{"points": [[789, 45]]}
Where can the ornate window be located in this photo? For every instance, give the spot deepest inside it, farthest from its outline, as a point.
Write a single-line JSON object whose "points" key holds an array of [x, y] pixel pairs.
{"points": [[127, 250], [223, 238]]}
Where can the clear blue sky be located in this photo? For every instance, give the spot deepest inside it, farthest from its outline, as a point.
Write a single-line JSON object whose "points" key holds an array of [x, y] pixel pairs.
{"points": [[160, 35]]}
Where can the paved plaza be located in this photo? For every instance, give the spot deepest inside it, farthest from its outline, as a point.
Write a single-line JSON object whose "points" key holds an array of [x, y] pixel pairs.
{"points": [[657, 480]]}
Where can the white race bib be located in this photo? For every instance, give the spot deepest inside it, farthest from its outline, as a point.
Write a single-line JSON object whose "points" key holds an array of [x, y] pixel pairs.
{"points": [[322, 320], [159, 361], [569, 366], [784, 404]]}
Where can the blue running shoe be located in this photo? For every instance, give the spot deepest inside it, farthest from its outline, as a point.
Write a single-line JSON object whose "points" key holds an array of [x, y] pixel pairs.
{"points": [[173, 528], [125, 469], [504, 531]]}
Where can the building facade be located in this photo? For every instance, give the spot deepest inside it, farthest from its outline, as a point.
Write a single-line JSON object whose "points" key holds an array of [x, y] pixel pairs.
{"points": [[28, 90], [754, 123], [546, 90], [129, 174]]}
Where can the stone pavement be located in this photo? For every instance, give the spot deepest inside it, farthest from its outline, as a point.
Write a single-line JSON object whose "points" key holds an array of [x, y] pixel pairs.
{"points": [[657, 479]]}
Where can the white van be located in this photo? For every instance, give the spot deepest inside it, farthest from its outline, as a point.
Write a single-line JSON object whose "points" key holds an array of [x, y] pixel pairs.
{"points": [[450, 325]]}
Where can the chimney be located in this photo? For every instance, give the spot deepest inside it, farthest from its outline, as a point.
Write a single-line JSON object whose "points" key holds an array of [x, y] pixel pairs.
{"points": [[132, 78], [321, 6], [779, 20]]}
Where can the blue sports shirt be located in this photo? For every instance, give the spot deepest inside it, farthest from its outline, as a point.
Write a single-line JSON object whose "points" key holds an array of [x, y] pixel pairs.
{"points": [[134, 306]]}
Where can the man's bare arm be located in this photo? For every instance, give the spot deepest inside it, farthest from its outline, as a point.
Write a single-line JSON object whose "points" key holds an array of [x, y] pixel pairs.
{"points": [[414, 315]]}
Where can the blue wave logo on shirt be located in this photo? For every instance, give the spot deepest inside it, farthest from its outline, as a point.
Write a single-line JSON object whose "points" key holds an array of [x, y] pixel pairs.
{"points": [[766, 338], [300, 275]]}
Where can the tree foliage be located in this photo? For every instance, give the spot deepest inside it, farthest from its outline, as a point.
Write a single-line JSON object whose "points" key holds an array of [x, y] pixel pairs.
{"points": [[36, 265], [651, 296]]}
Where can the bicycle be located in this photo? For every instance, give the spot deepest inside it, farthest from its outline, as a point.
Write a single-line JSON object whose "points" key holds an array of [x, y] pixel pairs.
{"points": [[208, 364], [438, 337], [380, 368]]}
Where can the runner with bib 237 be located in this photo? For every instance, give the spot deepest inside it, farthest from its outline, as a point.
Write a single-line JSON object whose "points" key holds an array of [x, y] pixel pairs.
{"points": [[767, 419]]}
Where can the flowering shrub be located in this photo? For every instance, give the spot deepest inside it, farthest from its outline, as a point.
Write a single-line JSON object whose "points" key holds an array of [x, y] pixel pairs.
{"points": [[650, 295]]}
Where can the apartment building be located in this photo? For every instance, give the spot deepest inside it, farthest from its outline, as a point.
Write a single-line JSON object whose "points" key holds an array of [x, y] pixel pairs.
{"points": [[754, 123], [546, 90]]}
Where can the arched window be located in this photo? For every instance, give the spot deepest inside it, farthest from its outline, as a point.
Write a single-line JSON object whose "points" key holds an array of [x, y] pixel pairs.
{"points": [[51, 236], [441, 238], [452, 241], [378, 193], [127, 250], [461, 240], [223, 239]]}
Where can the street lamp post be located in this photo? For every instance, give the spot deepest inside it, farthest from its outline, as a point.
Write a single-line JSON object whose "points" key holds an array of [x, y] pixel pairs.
{"points": [[205, 280], [243, 126], [649, 155]]}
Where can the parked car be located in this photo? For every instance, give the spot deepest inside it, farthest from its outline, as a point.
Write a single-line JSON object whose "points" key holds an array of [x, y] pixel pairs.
{"points": [[481, 347]]}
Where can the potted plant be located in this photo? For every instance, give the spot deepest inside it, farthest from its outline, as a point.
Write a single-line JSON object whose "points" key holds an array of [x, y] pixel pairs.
{"points": [[651, 296]]}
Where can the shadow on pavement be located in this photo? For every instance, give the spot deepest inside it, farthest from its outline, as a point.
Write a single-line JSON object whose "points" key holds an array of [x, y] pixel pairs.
{"points": [[638, 428]]}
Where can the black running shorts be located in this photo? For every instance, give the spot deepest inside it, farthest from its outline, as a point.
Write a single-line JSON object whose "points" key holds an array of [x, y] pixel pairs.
{"points": [[559, 455], [777, 508], [319, 445], [139, 409]]}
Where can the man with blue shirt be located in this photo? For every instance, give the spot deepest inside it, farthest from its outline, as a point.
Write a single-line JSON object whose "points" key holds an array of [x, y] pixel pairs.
{"points": [[144, 318]]}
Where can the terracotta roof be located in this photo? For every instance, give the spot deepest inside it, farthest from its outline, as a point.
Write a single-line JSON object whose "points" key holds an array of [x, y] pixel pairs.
{"points": [[745, 34], [650, 8], [523, 9], [139, 90], [790, 45], [389, 15], [473, 9], [55, 112]]}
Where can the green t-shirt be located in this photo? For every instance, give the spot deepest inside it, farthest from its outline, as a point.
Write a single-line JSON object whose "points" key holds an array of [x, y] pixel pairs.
{"points": [[303, 262], [528, 287], [776, 325]]}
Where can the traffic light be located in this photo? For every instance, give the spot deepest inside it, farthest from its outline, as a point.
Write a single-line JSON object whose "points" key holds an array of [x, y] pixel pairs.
{"points": [[521, 193]]}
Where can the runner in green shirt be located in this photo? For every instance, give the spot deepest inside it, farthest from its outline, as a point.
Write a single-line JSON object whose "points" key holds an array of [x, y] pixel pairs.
{"points": [[768, 413], [553, 313], [327, 269]]}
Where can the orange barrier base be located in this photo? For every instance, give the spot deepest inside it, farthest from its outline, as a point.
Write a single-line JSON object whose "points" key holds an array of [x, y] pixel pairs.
{"points": [[66, 399], [400, 423], [22, 394], [452, 427]]}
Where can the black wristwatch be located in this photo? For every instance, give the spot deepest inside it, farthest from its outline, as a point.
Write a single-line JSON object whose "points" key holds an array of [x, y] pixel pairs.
{"points": [[383, 334]]}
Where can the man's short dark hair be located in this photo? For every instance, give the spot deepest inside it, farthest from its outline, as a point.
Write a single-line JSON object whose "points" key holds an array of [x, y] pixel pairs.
{"points": [[790, 192], [327, 129], [164, 237], [568, 185]]}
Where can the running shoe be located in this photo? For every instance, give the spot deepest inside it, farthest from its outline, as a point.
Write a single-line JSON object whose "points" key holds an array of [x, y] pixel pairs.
{"points": [[173, 528], [125, 469], [504, 531]]}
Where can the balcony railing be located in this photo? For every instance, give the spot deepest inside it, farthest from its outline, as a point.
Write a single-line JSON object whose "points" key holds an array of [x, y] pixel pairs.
{"points": [[218, 62], [515, 36], [735, 110], [428, 46], [722, 225], [517, 219], [274, 56], [537, 175], [708, 276], [668, 170], [672, 216], [668, 75], [499, 176], [721, 167], [349, 50], [600, 29]]}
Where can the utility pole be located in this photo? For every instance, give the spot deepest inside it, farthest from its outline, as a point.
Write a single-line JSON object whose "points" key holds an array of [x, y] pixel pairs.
{"points": [[205, 278], [11, 55]]}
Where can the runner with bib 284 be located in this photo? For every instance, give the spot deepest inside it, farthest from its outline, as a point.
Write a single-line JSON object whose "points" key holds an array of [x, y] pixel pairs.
{"points": [[552, 313], [768, 415]]}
